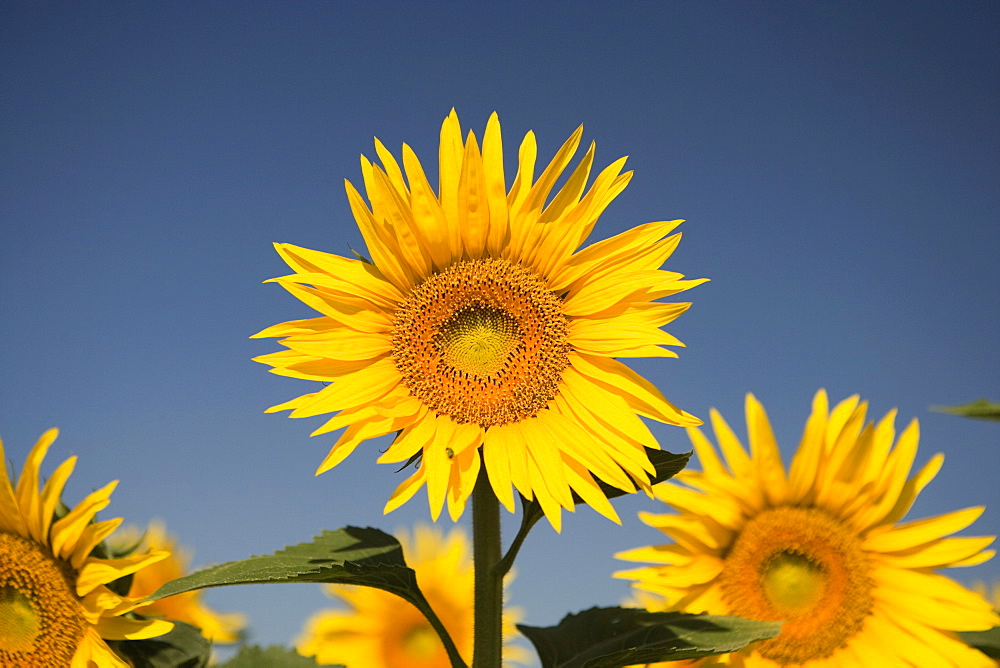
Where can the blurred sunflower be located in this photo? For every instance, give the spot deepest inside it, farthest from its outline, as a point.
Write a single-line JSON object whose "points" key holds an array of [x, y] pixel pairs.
{"points": [[991, 592], [187, 607], [55, 607], [380, 630], [821, 547], [477, 324]]}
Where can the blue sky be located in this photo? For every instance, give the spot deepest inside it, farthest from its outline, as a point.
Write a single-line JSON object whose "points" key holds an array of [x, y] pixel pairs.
{"points": [[836, 163]]}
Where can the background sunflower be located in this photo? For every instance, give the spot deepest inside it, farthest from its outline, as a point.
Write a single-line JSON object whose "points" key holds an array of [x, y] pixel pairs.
{"points": [[378, 630], [824, 548], [55, 607]]}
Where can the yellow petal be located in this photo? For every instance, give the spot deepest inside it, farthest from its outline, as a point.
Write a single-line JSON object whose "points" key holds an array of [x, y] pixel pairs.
{"points": [[405, 491], [612, 253], [612, 421], [540, 190], [93, 651], [27, 487], [583, 483], [578, 445], [93, 534], [10, 515], [437, 464], [498, 465], [496, 188], [765, 454], [344, 315], [123, 628], [52, 493], [599, 294], [353, 346], [526, 155], [97, 572], [934, 600], [805, 462], [395, 212], [67, 531], [411, 440], [427, 213], [384, 252], [450, 150], [941, 553], [539, 487], [359, 277], [904, 536], [464, 472], [391, 168], [473, 208], [352, 437], [543, 450], [370, 384]]}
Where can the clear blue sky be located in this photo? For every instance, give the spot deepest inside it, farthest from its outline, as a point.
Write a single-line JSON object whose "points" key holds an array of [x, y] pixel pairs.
{"points": [[837, 164]]}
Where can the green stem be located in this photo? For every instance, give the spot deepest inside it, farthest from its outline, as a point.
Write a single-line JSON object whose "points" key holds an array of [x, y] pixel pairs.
{"points": [[488, 619]]}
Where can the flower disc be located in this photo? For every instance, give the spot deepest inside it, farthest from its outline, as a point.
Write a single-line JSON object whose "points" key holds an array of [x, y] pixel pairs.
{"points": [[41, 621], [803, 567], [483, 342]]}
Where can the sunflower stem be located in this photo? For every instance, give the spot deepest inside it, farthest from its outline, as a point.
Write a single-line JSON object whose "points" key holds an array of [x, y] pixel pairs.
{"points": [[488, 619]]}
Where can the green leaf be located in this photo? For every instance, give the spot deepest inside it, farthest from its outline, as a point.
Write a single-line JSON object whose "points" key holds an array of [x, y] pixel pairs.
{"points": [[184, 647], [352, 556], [274, 656], [981, 409], [615, 637], [667, 465], [987, 642], [366, 557]]}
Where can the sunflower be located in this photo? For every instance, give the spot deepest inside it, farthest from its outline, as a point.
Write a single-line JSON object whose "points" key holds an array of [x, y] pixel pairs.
{"points": [[55, 607], [187, 607], [990, 592], [479, 336], [382, 631], [821, 546]]}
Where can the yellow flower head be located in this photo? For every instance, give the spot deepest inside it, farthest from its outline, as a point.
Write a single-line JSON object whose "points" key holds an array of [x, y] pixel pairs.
{"points": [[187, 607], [55, 609], [820, 547], [381, 630], [990, 592], [479, 335]]}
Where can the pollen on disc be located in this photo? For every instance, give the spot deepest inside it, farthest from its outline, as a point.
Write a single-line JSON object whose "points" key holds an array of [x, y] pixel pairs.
{"points": [[483, 342]]}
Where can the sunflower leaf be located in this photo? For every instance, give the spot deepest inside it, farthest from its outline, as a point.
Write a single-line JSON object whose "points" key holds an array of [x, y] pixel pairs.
{"points": [[987, 642], [275, 656], [981, 409], [352, 555], [183, 647], [614, 637]]}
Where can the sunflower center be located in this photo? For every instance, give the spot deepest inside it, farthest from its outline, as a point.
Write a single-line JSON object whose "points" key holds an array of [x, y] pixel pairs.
{"points": [[41, 620], [479, 339], [421, 643], [483, 342], [807, 568], [18, 620], [792, 582]]}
